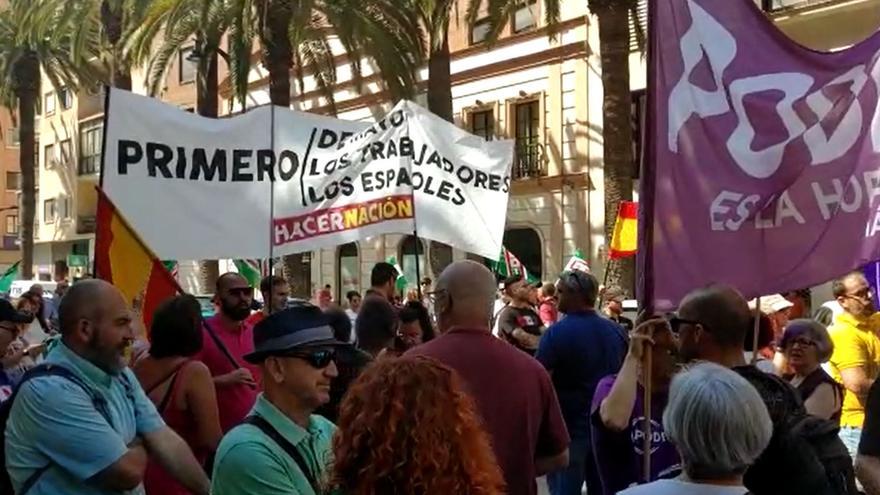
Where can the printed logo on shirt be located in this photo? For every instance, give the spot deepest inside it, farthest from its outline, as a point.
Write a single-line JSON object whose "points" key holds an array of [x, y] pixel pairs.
{"points": [[637, 434], [527, 321]]}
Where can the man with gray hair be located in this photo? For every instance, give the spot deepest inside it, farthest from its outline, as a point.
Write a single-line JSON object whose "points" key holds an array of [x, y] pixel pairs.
{"points": [[513, 392], [578, 351], [719, 424], [712, 323]]}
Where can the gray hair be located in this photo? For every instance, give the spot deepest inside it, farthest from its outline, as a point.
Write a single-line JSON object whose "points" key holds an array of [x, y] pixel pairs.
{"points": [[717, 420], [814, 331]]}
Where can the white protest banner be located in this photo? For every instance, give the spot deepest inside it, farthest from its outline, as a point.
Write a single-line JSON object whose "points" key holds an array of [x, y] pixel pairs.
{"points": [[276, 181]]}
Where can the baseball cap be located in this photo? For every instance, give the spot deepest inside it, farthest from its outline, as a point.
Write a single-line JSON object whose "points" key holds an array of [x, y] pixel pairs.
{"points": [[9, 313], [297, 327]]}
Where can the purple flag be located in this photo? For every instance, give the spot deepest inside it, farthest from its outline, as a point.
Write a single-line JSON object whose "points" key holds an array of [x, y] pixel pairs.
{"points": [[763, 164]]}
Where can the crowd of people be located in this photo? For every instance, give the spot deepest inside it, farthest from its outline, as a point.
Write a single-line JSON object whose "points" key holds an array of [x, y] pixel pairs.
{"points": [[462, 387]]}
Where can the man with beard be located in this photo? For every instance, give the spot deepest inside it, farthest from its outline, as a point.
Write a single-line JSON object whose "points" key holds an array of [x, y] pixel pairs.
{"points": [[85, 426], [856, 359], [227, 339]]}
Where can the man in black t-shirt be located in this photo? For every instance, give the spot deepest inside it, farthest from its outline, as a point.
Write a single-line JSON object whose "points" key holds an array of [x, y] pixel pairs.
{"points": [[519, 323]]}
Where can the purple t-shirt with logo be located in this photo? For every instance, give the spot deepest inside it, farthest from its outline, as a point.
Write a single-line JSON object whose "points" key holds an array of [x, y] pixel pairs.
{"points": [[619, 454]]}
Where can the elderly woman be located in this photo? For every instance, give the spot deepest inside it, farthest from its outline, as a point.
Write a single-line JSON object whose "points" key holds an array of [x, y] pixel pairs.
{"points": [[806, 346], [719, 424]]}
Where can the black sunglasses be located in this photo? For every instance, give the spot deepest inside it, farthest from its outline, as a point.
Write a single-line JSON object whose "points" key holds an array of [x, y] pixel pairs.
{"points": [[316, 359], [675, 323]]}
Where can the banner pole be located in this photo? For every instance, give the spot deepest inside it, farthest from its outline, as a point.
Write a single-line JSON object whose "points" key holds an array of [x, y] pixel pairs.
{"points": [[418, 248], [646, 403], [647, 185], [271, 205], [756, 330]]}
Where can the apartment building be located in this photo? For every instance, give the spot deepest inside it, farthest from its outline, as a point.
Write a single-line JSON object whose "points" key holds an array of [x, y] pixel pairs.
{"points": [[10, 187], [71, 130]]}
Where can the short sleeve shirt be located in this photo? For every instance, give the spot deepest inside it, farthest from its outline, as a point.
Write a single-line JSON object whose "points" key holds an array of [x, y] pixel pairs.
{"points": [[856, 344], [514, 396], [248, 461], [579, 350], [619, 453], [53, 422], [512, 318], [235, 400]]}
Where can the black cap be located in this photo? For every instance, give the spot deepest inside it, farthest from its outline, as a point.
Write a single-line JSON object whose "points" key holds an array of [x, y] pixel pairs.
{"points": [[9, 313], [294, 328], [518, 277]]}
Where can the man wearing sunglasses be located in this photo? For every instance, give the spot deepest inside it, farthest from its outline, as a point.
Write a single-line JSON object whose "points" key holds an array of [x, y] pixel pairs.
{"points": [[283, 447], [10, 319], [856, 359], [519, 323]]}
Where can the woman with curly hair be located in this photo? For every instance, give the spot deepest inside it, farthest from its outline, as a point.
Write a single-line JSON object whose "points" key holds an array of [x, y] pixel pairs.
{"points": [[407, 427]]}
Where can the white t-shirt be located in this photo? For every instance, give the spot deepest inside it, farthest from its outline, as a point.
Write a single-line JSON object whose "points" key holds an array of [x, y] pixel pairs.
{"points": [[679, 487], [353, 317]]}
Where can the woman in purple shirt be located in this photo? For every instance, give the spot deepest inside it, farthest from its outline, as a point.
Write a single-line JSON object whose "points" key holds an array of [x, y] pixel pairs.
{"points": [[618, 412]]}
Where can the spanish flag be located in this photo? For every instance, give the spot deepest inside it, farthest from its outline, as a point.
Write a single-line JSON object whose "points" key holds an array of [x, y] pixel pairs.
{"points": [[122, 259], [624, 241]]}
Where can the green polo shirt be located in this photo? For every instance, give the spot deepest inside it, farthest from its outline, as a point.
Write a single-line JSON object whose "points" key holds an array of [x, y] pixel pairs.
{"points": [[248, 461]]}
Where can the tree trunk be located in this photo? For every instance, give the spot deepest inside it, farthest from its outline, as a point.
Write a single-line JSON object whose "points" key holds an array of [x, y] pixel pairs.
{"points": [[111, 22], [440, 80], [616, 127], [206, 104], [27, 74], [278, 60], [277, 51]]}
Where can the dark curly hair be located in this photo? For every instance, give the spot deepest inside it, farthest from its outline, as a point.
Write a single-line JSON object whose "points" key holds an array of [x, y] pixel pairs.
{"points": [[406, 427]]}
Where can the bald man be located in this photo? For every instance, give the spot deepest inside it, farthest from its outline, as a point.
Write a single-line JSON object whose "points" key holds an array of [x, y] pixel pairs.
{"points": [[513, 392], [227, 339], [89, 430], [711, 324]]}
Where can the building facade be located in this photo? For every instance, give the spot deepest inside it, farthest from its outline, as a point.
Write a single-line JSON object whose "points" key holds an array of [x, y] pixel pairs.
{"points": [[543, 93]]}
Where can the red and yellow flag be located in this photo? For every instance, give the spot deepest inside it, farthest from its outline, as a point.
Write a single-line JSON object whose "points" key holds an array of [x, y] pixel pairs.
{"points": [[624, 241], [122, 259]]}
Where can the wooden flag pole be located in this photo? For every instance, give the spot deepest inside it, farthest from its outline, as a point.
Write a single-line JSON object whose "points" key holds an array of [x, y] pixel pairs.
{"points": [[646, 402], [756, 331]]}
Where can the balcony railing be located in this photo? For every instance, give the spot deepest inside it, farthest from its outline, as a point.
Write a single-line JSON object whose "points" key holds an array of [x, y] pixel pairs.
{"points": [[529, 162], [89, 165], [86, 224], [777, 5]]}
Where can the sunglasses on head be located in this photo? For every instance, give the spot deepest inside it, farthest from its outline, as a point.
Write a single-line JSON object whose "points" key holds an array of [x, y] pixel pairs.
{"points": [[316, 359], [675, 323]]}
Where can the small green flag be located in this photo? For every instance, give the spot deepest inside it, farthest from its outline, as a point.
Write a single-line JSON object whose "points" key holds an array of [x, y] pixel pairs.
{"points": [[508, 264], [250, 270], [401, 281], [8, 277]]}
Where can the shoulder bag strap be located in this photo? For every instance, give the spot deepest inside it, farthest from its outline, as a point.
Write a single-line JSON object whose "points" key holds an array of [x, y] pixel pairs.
{"points": [[220, 345], [288, 447], [55, 370]]}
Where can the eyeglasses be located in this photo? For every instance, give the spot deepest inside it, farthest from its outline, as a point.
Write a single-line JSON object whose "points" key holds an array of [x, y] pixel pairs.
{"points": [[675, 323], [865, 293], [802, 341], [316, 359]]}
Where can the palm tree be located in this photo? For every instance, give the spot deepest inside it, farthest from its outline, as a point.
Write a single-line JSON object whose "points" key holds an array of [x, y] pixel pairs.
{"points": [[35, 35], [294, 37], [618, 161]]}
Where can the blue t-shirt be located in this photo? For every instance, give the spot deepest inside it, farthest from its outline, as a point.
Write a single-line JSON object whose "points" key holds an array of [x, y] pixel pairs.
{"points": [[579, 350], [53, 422]]}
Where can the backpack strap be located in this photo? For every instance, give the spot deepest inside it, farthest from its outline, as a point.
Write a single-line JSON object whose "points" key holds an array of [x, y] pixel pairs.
{"points": [[47, 369], [285, 444], [220, 345]]}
